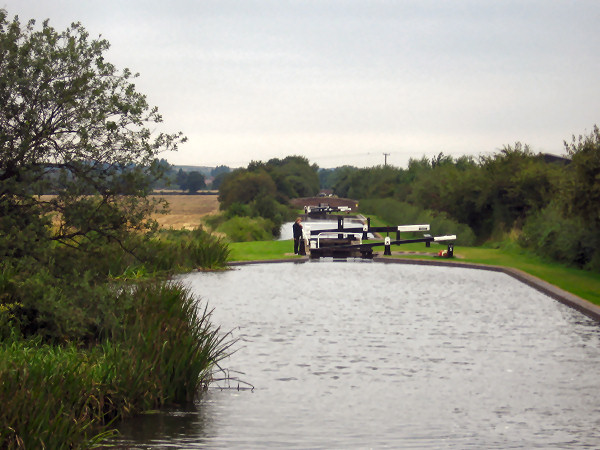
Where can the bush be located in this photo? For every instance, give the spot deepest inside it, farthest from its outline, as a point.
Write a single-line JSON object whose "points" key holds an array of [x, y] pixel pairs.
{"points": [[71, 300], [259, 220], [400, 213], [245, 229], [563, 239], [181, 250], [65, 303]]}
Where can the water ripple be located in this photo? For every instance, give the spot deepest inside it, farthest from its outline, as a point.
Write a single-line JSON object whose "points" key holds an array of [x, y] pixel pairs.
{"points": [[370, 356]]}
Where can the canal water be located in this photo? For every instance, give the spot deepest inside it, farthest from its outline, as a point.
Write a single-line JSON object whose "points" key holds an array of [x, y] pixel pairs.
{"points": [[369, 355]]}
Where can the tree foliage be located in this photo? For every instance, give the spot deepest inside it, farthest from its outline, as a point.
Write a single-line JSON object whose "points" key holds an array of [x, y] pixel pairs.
{"points": [[552, 203], [264, 190], [491, 194], [219, 170], [294, 176], [568, 228], [243, 186], [72, 125], [192, 181], [581, 190]]}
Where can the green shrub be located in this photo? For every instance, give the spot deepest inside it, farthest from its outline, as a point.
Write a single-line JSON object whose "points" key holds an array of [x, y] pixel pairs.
{"points": [[214, 220], [566, 239], [245, 229], [57, 310], [61, 303], [263, 212], [182, 250], [70, 297], [400, 213]]}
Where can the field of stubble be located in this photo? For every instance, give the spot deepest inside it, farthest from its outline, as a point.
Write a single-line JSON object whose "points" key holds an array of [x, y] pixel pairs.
{"points": [[187, 211]]}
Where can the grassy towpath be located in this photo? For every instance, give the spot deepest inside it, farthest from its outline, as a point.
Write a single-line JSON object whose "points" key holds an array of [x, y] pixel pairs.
{"points": [[262, 250], [582, 283], [579, 282]]}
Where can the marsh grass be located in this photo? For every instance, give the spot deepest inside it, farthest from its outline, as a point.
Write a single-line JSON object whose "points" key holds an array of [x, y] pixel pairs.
{"points": [[50, 399], [170, 336], [180, 250], [89, 336], [142, 256], [162, 351]]}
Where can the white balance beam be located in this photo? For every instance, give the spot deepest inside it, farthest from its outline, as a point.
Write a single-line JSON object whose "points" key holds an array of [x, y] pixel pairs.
{"points": [[451, 237], [413, 227]]}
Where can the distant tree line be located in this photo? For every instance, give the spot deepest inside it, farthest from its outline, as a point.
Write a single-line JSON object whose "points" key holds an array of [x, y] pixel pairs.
{"points": [[191, 181], [551, 205]]}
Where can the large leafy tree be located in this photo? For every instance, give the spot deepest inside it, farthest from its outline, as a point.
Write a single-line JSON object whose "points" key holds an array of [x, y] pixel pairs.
{"points": [[193, 182], [243, 187], [74, 126], [581, 191]]}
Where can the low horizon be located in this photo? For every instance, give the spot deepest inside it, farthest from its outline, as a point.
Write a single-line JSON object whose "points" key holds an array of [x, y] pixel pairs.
{"points": [[382, 163]]}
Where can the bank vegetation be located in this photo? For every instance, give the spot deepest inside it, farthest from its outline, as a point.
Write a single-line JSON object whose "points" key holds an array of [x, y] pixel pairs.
{"points": [[91, 330], [543, 203]]}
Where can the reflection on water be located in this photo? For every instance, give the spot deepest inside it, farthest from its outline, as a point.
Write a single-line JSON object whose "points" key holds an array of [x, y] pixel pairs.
{"points": [[370, 355], [191, 424]]}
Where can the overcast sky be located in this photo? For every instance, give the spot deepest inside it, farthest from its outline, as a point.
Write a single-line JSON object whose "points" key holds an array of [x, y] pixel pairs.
{"points": [[345, 81]]}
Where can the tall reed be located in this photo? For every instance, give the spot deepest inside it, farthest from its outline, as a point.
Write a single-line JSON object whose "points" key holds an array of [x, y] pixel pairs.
{"points": [[169, 338], [176, 250], [162, 351], [49, 397]]}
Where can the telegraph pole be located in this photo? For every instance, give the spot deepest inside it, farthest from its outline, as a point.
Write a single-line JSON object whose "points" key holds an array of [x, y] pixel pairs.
{"points": [[385, 155]]}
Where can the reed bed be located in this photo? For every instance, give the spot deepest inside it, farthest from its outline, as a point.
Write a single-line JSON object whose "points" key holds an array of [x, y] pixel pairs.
{"points": [[89, 336], [168, 251], [182, 249], [163, 352]]}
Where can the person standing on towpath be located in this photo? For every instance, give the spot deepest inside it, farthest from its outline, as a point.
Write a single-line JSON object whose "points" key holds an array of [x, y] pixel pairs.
{"points": [[297, 228]]}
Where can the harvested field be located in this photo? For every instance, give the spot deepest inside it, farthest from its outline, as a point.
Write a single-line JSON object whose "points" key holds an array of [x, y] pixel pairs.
{"points": [[187, 211]]}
